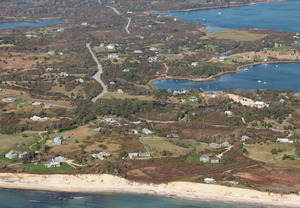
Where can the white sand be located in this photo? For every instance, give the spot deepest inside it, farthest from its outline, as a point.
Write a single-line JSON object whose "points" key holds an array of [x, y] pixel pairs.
{"points": [[109, 183]]}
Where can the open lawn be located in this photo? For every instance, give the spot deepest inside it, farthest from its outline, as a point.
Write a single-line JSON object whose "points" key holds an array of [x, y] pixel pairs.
{"points": [[17, 141], [263, 152], [111, 95], [155, 145], [237, 35], [40, 168]]}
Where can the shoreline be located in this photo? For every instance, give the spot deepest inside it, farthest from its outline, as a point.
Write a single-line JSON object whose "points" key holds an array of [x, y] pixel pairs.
{"points": [[215, 77], [92, 183], [214, 7]]}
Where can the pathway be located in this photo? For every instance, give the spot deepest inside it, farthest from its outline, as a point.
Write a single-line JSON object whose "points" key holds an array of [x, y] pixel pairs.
{"points": [[167, 70], [97, 76], [127, 26], [40, 134], [115, 10]]}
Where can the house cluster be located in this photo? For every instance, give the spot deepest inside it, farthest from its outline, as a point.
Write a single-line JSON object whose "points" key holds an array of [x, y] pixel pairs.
{"points": [[286, 140], [206, 158], [37, 118], [139, 155], [9, 99], [101, 155], [247, 102], [56, 162], [15, 154], [216, 145]]}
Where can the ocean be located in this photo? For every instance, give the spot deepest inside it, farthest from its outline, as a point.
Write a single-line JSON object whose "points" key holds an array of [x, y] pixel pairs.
{"points": [[44, 199]]}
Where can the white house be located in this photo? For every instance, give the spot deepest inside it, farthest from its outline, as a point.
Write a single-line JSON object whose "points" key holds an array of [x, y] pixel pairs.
{"points": [[84, 24], [101, 155], [51, 52], [195, 64], [15, 153], [9, 99], [228, 113], [244, 138], [37, 118], [113, 56], [63, 74], [52, 164], [125, 70], [215, 145], [286, 140], [132, 155], [120, 91], [259, 104], [193, 99], [58, 140], [137, 51], [110, 46], [60, 159], [146, 131], [209, 180]]}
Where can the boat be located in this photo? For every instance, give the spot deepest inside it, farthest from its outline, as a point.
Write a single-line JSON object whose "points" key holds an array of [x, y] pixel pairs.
{"points": [[265, 82], [259, 81], [246, 69], [219, 13]]}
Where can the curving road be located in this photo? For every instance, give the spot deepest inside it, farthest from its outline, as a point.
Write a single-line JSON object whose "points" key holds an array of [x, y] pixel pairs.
{"points": [[97, 76]]}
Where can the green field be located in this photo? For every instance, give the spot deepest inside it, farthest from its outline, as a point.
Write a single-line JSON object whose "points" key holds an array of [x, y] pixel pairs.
{"points": [[17, 141], [40, 168], [155, 145], [263, 152]]}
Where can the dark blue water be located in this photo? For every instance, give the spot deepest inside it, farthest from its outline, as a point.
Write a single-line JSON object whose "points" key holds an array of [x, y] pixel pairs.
{"points": [[276, 76], [7, 25], [282, 16], [24, 4], [38, 199]]}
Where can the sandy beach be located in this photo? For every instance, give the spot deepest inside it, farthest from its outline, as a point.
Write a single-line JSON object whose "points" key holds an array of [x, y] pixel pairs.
{"points": [[108, 183]]}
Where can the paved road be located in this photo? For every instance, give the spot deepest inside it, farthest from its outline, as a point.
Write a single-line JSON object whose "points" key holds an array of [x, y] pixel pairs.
{"points": [[127, 26], [97, 76]]}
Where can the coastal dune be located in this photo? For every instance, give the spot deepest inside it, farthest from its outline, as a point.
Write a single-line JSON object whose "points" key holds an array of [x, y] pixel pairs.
{"points": [[108, 183]]}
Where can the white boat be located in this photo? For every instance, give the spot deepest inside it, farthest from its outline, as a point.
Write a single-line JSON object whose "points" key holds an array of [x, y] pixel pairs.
{"points": [[219, 13], [246, 69], [259, 81], [265, 82]]}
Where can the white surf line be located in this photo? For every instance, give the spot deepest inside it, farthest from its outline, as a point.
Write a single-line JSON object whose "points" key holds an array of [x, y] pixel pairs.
{"points": [[127, 26], [97, 76]]}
